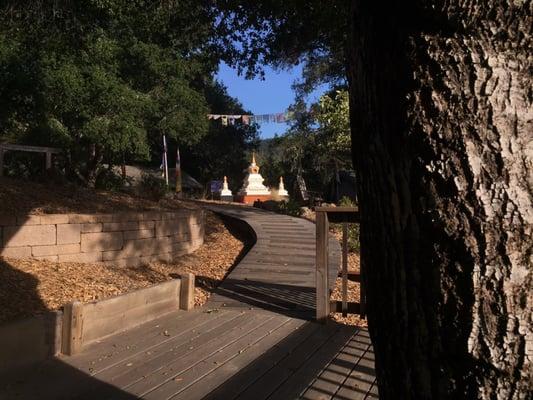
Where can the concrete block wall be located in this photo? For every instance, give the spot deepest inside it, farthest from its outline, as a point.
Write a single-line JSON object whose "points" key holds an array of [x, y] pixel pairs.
{"points": [[123, 238]]}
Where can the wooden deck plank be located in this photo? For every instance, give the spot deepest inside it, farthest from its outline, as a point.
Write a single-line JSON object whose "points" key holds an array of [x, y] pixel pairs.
{"points": [[296, 358], [262, 269], [362, 377], [55, 380], [250, 376], [184, 380], [120, 347], [294, 230], [328, 382], [85, 388], [282, 255], [273, 260], [229, 298], [119, 341], [269, 294], [320, 363], [373, 393], [169, 350], [167, 372], [280, 240], [227, 381], [150, 369], [263, 244]]}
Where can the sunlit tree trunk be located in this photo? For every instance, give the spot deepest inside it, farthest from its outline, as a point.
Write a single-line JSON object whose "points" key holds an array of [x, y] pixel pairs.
{"points": [[442, 133]]}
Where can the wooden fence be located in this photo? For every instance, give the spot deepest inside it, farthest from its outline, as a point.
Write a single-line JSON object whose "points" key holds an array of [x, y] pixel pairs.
{"points": [[324, 304]]}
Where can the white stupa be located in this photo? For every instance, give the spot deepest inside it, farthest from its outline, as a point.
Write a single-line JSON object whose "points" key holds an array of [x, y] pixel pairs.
{"points": [[281, 189], [226, 194], [253, 188]]}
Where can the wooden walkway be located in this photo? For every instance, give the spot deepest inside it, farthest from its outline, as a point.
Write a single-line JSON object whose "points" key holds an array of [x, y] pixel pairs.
{"points": [[255, 339]]}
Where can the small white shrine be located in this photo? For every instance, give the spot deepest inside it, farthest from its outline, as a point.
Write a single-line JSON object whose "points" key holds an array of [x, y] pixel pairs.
{"points": [[281, 190], [225, 194], [253, 188]]}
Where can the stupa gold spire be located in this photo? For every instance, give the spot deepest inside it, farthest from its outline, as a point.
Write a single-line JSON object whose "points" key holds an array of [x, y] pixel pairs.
{"points": [[254, 168]]}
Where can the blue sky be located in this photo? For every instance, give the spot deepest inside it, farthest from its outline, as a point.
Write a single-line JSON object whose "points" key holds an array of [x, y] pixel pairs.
{"points": [[269, 96]]}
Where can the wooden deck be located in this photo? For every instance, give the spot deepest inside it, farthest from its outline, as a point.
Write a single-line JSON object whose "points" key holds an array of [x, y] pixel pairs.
{"points": [[255, 339]]}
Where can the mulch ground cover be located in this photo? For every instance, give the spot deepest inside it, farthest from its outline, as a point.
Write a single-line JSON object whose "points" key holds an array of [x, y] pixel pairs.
{"points": [[30, 287]]}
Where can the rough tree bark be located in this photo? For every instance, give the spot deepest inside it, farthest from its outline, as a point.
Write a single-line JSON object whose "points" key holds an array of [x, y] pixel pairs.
{"points": [[442, 120]]}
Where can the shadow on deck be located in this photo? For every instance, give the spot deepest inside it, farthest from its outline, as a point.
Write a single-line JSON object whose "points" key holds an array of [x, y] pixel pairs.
{"points": [[255, 339], [228, 354]]}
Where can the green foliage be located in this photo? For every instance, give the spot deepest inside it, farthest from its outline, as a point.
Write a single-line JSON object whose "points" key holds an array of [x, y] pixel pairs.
{"points": [[104, 79], [290, 207], [354, 243], [347, 202], [26, 166], [333, 117], [270, 158], [224, 150], [332, 136], [317, 145], [153, 187], [111, 181], [284, 33]]}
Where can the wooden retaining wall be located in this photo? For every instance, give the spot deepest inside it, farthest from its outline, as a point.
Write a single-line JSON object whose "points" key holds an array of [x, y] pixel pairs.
{"points": [[124, 239], [32, 340]]}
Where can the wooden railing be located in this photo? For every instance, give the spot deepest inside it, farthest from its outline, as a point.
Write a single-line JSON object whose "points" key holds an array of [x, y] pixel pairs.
{"points": [[324, 304], [33, 149]]}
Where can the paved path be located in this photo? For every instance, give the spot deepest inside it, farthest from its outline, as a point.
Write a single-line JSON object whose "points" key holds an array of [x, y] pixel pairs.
{"points": [[255, 339], [278, 273]]}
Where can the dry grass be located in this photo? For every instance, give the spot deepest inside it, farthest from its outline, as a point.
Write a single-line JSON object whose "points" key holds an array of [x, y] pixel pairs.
{"points": [[30, 287]]}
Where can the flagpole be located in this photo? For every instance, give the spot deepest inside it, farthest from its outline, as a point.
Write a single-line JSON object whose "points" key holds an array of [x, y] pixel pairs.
{"points": [[165, 161], [178, 172]]}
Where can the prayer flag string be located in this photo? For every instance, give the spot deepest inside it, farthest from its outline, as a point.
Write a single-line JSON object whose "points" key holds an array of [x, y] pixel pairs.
{"points": [[228, 119]]}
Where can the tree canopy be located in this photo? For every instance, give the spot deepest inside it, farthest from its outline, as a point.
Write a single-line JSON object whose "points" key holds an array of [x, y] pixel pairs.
{"points": [[284, 33], [316, 146], [104, 79]]}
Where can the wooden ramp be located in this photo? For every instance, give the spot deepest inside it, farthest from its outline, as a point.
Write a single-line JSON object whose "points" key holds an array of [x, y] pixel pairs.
{"points": [[255, 339]]}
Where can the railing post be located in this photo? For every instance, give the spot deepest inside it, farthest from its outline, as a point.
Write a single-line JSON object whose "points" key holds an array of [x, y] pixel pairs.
{"points": [[322, 284], [362, 289], [1, 161], [48, 160], [344, 269], [187, 291], [72, 337]]}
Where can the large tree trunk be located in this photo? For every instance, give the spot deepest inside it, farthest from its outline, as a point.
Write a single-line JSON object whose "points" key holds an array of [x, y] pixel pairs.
{"points": [[443, 143]]}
